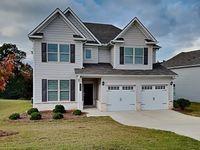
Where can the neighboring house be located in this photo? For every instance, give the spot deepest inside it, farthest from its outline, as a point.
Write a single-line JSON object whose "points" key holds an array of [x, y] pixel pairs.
{"points": [[79, 64], [187, 66]]}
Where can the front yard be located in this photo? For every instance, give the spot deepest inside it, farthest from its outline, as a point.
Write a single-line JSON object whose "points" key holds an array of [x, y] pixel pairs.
{"points": [[193, 110], [82, 133]]}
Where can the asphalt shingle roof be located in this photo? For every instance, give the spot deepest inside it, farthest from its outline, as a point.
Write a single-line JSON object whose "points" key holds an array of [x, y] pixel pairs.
{"points": [[103, 32], [184, 59], [107, 69]]}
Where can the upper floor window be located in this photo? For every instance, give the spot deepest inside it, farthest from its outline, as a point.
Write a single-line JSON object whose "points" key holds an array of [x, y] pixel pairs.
{"points": [[58, 52], [139, 56], [128, 54], [52, 52], [64, 52], [133, 55], [88, 54]]}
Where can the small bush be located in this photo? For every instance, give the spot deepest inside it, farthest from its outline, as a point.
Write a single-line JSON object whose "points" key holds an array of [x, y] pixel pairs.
{"points": [[59, 108], [175, 104], [77, 112], [35, 116], [30, 111], [182, 103], [14, 116], [57, 115]]}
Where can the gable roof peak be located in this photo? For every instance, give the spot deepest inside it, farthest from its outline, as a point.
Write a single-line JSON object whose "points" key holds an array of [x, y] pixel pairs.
{"points": [[146, 32]]}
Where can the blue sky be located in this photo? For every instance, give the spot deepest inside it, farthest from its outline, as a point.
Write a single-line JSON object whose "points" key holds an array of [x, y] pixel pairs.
{"points": [[174, 23]]}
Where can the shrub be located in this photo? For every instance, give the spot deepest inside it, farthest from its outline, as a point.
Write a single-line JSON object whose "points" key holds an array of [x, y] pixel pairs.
{"points": [[77, 112], [175, 104], [35, 116], [59, 108], [14, 116], [57, 115], [30, 111], [182, 103]]}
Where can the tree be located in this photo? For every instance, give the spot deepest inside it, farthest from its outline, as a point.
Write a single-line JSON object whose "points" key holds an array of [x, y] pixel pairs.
{"points": [[6, 70], [19, 84]]}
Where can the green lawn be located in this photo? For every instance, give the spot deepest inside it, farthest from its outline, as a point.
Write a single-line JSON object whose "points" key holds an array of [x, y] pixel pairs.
{"points": [[193, 110], [84, 133]]}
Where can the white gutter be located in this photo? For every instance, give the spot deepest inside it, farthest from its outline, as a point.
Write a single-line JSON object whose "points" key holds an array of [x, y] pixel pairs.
{"points": [[187, 66], [99, 75]]}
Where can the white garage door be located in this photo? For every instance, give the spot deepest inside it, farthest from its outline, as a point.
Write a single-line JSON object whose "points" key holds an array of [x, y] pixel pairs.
{"points": [[154, 97], [121, 98]]}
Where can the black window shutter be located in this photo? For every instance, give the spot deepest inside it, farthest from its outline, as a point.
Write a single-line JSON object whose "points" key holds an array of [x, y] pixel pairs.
{"points": [[72, 90], [121, 55], [145, 56], [44, 90], [72, 53], [44, 52]]}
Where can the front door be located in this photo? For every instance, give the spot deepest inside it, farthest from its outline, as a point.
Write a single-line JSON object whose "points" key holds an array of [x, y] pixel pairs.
{"points": [[88, 94]]}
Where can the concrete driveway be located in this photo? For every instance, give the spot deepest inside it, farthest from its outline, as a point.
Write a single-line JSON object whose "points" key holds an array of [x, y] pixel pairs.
{"points": [[168, 120]]}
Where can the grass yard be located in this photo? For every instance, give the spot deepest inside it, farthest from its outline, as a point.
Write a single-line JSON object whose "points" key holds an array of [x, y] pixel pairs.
{"points": [[83, 133], [193, 110]]}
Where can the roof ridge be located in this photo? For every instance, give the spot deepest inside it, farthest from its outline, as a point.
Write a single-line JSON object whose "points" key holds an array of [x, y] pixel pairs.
{"points": [[102, 24]]}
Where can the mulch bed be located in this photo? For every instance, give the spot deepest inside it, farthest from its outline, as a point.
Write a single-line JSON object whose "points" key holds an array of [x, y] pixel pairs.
{"points": [[47, 115], [6, 133]]}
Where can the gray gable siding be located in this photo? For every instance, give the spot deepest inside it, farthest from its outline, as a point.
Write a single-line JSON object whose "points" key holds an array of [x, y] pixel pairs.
{"points": [[58, 30], [134, 36], [77, 24], [104, 54]]}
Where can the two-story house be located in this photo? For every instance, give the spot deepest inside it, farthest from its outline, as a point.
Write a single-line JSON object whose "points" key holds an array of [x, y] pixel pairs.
{"points": [[79, 64]]}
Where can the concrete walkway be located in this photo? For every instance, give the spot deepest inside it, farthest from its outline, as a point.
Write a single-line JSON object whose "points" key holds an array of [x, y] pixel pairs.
{"points": [[168, 120]]}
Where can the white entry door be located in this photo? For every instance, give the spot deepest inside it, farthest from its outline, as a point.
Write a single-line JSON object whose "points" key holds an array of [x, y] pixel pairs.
{"points": [[154, 97], [121, 98]]}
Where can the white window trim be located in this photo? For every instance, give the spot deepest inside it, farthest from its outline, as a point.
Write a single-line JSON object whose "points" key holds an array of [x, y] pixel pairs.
{"points": [[134, 47], [64, 90], [58, 90], [129, 55], [58, 53], [142, 56], [64, 53], [87, 49]]}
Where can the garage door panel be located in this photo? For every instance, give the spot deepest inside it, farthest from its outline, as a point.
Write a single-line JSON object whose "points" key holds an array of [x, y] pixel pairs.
{"points": [[122, 99], [154, 98]]}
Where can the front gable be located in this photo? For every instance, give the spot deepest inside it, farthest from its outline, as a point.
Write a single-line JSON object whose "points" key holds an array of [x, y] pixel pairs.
{"points": [[58, 30], [56, 23], [135, 33], [134, 36], [80, 25]]}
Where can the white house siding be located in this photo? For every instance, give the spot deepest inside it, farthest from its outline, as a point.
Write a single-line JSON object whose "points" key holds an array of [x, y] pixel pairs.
{"points": [[154, 56], [138, 81], [112, 56], [104, 54], [78, 25], [187, 83], [94, 52], [135, 38], [56, 32]]}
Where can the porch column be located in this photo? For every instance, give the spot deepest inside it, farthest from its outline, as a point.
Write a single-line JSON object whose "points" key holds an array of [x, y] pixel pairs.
{"points": [[79, 93]]}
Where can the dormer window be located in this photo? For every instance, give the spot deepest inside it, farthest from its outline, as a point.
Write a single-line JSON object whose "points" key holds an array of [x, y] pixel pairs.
{"points": [[128, 54], [133, 55], [88, 54]]}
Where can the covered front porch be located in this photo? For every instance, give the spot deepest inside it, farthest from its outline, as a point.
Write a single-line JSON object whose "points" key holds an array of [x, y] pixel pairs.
{"points": [[89, 93]]}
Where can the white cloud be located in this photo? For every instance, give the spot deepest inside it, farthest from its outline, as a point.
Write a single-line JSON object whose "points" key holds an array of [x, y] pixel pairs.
{"points": [[194, 46], [10, 31]]}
